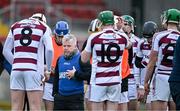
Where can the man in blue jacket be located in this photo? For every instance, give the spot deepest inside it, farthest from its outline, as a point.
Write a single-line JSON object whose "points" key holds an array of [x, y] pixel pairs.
{"points": [[68, 91]]}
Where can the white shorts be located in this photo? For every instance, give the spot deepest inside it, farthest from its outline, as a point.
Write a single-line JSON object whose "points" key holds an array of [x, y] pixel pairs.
{"points": [[124, 97], [142, 75], [132, 89], [161, 88], [149, 96], [103, 93], [48, 88], [25, 80]]}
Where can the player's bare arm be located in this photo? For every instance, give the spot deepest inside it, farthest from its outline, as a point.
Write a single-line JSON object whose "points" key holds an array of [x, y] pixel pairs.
{"points": [[85, 56], [150, 69]]}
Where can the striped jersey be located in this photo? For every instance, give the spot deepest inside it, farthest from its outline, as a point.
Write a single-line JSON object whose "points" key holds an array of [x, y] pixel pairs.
{"points": [[134, 39], [143, 51], [106, 47], [29, 37], [164, 43]]}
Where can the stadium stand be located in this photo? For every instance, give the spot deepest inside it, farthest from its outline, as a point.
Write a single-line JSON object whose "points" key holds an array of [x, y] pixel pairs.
{"points": [[4, 3], [79, 9]]}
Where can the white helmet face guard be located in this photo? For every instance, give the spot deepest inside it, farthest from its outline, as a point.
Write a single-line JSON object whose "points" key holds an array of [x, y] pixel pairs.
{"points": [[39, 16]]}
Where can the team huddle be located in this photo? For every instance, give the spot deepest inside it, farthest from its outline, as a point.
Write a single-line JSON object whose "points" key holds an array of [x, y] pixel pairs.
{"points": [[115, 70]]}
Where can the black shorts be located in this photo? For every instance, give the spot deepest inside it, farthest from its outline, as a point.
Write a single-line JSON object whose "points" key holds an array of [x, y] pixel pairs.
{"points": [[175, 92], [72, 102], [124, 85]]}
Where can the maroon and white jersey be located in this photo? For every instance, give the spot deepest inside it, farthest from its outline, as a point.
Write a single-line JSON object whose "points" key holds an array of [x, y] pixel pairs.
{"points": [[29, 37], [134, 39], [106, 47], [143, 51], [164, 43]]}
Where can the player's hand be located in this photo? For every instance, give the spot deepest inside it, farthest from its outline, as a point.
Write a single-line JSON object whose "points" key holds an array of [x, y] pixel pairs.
{"points": [[43, 81], [146, 88], [52, 70], [47, 75], [141, 93], [70, 73]]}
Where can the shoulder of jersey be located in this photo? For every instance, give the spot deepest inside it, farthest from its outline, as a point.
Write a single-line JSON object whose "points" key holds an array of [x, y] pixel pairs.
{"points": [[18, 22], [95, 34], [160, 34], [15, 23], [136, 37], [142, 40], [122, 34], [44, 24]]}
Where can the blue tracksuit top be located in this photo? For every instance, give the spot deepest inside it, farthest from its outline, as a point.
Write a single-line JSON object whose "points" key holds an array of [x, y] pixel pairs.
{"points": [[69, 86], [175, 74]]}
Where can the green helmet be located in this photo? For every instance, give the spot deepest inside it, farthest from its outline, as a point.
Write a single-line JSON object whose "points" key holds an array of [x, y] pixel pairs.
{"points": [[170, 16], [128, 19], [106, 17]]}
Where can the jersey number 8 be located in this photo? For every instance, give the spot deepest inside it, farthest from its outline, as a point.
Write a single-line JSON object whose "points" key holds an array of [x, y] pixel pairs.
{"points": [[25, 39]]}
